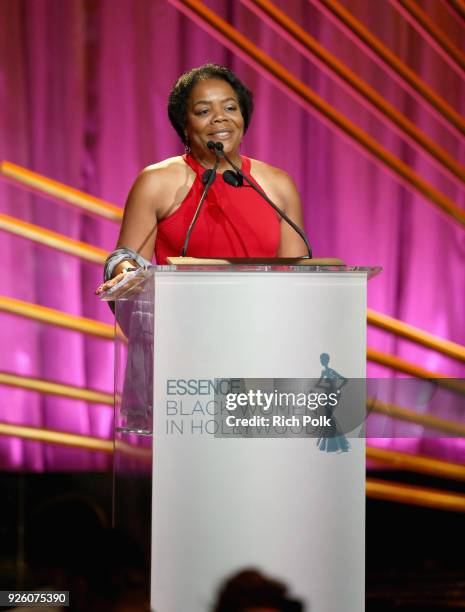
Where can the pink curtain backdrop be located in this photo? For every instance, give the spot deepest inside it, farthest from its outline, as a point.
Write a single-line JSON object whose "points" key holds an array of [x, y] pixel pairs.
{"points": [[83, 90]]}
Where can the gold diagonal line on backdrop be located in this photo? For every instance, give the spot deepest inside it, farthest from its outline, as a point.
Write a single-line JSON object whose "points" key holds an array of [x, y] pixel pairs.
{"points": [[56, 437], [423, 22], [414, 495], [402, 365], [90, 326], [414, 334], [311, 47], [452, 428], [95, 255], [59, 318], [54, 388], [347, 20], [85, 251], [394, 459], [63, 438], [103, 330], [375, 488], [385, 359], [416, 463], [459, 6], [52, 239], [248, 51], [377, 319], [59, 191], [78, 393]]}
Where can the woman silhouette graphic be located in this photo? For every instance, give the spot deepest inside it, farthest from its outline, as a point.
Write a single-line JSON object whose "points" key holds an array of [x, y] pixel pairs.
{"points": [[332, 439]]}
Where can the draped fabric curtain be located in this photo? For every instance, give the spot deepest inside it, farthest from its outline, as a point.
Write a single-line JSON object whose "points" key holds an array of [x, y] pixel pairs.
{"points": [[83, 91]]}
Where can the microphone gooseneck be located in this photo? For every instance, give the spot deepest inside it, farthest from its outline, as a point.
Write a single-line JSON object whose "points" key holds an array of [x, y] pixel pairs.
{"points": [[234, 181], [208, 179]]}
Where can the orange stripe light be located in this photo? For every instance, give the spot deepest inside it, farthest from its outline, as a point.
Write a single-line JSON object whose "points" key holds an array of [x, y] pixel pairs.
{"points": [[56, 317], [452, 428], [52, 239], [62, 438], [401, 69], [459, 6], [53, 388], [408, 129], [377, 489], [414, 334], [402, 365], [416, 463], [419, 17], [309, 99], [59, 191]]}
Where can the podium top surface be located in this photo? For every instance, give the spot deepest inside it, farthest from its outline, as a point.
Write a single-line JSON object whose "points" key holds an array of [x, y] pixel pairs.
{"points": [[292, 266]]}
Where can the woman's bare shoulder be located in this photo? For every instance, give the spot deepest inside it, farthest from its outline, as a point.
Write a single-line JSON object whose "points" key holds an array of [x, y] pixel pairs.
{"points": [[271, 175], [163, 186], [260, 168], [155, 183], [171, 168]]}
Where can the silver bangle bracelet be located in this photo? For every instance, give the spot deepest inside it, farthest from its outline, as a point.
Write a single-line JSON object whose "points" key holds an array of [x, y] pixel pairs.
{"points": [[119, 255]]}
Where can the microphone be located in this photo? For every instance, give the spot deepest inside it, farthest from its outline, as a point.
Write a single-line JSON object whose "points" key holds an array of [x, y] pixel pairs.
{"points": [[237, 178], [232, 178], [216, 148], [208, 179], [229, 176]]}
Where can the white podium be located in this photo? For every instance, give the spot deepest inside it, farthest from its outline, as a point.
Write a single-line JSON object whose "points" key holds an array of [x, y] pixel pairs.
{"points": [[289, 505]]}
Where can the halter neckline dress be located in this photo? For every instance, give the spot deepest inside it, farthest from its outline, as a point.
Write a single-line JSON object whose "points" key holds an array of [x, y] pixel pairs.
{"points": [[233, 221]]}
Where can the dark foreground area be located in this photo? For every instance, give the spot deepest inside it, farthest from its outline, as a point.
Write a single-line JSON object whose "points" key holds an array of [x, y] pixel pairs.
{"points": [[57, 529]]}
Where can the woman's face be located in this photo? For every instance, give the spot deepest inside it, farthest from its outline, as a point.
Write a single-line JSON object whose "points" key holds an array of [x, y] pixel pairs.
{"points": [[213, 113]]}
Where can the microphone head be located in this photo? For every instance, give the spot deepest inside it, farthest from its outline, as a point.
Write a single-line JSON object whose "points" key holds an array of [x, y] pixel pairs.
{"points": [[216, 148], [232, 178], [207, 175]]}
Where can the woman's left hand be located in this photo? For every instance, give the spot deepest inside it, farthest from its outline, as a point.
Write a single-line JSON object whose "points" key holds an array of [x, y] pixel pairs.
{"points": [[113, 281]]}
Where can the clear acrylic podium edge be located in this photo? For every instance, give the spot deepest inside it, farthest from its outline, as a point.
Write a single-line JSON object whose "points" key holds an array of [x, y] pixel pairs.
{"points": [[123, 290]]}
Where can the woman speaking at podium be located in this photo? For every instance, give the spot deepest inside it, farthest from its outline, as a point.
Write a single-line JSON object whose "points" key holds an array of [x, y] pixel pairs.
{"points": [[211, 201]]}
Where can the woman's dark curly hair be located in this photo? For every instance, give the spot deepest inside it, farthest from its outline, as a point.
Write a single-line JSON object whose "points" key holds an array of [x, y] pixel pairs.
{"points": [[179, 96]]}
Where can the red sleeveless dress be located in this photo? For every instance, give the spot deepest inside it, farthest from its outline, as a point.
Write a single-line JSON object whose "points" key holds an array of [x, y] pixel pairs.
{"points": [[233, 221]]}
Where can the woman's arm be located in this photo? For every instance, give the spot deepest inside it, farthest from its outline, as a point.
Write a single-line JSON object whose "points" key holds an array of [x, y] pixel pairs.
{"points": [[280, 187], [291, 244], [139, 225]]}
